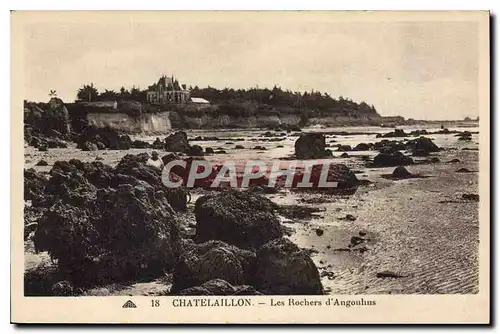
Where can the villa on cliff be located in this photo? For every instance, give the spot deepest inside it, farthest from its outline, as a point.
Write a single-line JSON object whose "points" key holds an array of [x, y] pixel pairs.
{"points": [[168, 90]]}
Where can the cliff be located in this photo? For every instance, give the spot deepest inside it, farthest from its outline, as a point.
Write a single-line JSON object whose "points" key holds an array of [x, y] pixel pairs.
{"points": [[136, 117]]}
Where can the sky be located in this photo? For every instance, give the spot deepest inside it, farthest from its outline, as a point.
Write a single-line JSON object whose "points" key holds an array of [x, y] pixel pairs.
{"points": [[412, 68]]}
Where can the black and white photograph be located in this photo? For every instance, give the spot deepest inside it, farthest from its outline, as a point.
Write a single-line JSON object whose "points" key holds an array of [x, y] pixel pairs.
{"points": [[252, 154]]}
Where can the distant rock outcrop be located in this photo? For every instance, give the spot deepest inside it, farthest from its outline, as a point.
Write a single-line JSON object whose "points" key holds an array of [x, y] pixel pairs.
{"points": [[311, 146], [392, 158], [177, 142], [422, 146]]}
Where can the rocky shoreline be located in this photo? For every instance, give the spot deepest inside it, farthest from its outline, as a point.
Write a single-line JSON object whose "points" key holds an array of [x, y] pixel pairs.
{"points": [[98, 221]]}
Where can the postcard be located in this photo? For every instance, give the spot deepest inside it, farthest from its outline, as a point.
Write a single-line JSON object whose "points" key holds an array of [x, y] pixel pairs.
{"points": [[253, 167]]}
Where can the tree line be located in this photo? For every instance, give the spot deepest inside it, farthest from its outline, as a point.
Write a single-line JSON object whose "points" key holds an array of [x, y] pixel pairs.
{"points": [[321, 103]]}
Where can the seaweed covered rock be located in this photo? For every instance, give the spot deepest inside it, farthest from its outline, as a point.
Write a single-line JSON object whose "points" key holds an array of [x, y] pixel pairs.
{"points": [[56, 143], [239, 218], [465, 136], [103, 137], [158, 144], [386, 144], [40, 280], [213, 260], [135, 165], [219, 287], [57, 116], [339, 176], [70, 186], [177, 142], [395, 133], [343, 148], [195, 151], [363, 147], [422, 146], [123, 233], [46, 125], [89, 146], [310, 146], [391, 158], [62, 288], [402, 173], [34, 184], [282, 268], [140, 144]]}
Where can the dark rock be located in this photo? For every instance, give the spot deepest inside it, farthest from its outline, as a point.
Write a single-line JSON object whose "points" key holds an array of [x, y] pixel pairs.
{"points": [[363, 147], [422, 146], [42, 163], [108, 137], [120, 234], [391, 159], [124, 143], [34, 184], [471, 197], [434, 160], [43, 147], [213, 260], [100, 145], [62, 288], [282, 268], [310, 146], [38, 281], [319, 232], [134, 165], [177, 142], [418, 132], [350, 217], [464, 170], [388, 274], [453, 161], [346, 180], [239, 218], [56, 143], [220, 152], [343, 148], [195, 150], [262, 148], [56, 117], [356, 241], [466, 136], [140, 144], [35, 142], [402, 173], [344, 155], [386, 145], [239, 147], [88, 146], [158, 144], [209, 150], [396, 133]]}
